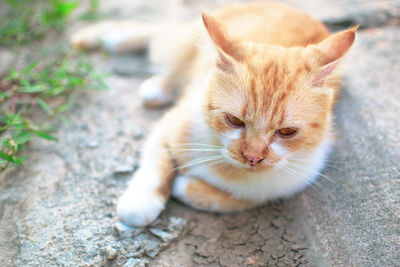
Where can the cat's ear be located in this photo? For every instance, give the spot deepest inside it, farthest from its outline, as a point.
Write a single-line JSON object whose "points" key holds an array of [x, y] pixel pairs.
{"points": [[335, 46], [228, 47], [330, 51]]}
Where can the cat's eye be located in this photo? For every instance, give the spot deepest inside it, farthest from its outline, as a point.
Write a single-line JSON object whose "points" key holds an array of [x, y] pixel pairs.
{"points": [[234, 121], [286, 132]]}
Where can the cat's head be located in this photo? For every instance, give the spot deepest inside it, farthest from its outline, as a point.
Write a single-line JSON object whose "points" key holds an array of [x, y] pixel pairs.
{"points": [[268, 103]]}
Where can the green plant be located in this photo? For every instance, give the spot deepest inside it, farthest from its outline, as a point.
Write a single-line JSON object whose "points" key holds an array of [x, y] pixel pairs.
{"points": [[24, 20], [93, 11], [48, 86]]}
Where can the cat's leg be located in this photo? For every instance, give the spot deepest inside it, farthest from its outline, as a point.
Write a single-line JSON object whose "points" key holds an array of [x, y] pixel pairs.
{"points": [[203, 196], [150, 187], [173, 50], [155, 92], [115, 36]]}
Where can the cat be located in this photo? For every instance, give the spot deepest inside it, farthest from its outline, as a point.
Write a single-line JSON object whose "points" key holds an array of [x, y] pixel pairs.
{"points": [[254, 122]]}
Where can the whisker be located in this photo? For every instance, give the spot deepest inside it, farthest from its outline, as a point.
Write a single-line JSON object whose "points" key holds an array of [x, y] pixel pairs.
{"points": [[198, 144], [176, 151], [305, 178], [327, 160], [319, 173], [215, 163], [198, 161]]}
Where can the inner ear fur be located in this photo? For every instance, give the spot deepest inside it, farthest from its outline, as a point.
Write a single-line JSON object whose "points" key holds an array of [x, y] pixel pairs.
{"points": [[330, 51], [335, 46], [227, 44]]}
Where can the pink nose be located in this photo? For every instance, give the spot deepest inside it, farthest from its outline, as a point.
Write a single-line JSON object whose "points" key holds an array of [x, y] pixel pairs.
{"points": [[252, 160]]}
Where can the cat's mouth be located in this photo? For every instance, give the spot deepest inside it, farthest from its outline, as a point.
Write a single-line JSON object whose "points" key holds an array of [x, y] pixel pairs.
{"points": [[262, 166]]}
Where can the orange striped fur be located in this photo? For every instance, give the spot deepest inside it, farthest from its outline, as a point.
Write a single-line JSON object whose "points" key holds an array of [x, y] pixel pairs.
{"points": [[272, 70]]}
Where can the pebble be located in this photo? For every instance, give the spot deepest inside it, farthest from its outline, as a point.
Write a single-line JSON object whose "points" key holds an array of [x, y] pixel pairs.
{"points": [[126, 231], [163, 235], [124, 168], [110, 253], [133, 262], [92, 144], [137, 133]]}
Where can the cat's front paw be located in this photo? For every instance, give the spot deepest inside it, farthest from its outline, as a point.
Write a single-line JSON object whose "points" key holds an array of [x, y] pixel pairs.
{"points": [[138, 207], [152, 94]]}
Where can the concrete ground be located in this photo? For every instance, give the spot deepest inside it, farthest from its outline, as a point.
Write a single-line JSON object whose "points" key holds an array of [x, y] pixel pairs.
{"points": [[59, 208]]}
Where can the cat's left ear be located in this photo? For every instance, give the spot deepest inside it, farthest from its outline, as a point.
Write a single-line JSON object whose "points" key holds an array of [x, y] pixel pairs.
{"points": [[331, 50], [228, 47]]}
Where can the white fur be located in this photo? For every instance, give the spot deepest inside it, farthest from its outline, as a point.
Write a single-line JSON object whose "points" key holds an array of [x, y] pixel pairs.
{"points": [[233, 134], [141, 204], [150, 91], [179, 186], [277, 182], [112, 40], [274, 183]]}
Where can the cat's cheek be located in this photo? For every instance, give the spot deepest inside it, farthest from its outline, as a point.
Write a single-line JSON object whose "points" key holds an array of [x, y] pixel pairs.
{"points": [[279, 149], [229, 136]]}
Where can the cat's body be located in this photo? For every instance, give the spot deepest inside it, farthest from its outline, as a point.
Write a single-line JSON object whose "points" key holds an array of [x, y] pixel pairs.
{"points": [[254, 122]]}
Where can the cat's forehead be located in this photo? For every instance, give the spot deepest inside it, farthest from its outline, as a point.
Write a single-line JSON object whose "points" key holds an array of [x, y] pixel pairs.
{"points": [[271, 91]]}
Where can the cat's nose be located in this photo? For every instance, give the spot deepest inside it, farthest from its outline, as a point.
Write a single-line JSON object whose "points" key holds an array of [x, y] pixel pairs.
{"points": [[252, 160]]}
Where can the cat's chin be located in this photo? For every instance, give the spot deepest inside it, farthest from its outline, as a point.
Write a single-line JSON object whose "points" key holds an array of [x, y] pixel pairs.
{"points": [[259, 168]]}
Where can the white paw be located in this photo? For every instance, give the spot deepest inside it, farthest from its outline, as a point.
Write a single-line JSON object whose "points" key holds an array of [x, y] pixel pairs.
{"points": [[139, 207], [112, 40], [151, 93], [84, 40]]}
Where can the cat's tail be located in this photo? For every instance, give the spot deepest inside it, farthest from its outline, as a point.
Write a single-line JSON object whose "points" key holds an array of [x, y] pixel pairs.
{"points": [[115, 36]]}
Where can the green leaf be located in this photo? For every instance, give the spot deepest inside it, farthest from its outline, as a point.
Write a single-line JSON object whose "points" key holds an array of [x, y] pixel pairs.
{"points": [[64, 119], [6, 157], [19, 126], [3, 96], [19, 160], [63, 107], [13, 75], [25, 82], [44, 106], [45, 136], [64, 9], [23, 137], [31, 89], [30, 67]]}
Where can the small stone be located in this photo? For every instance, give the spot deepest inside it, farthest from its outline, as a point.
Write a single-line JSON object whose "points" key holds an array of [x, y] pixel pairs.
{"points": [[137, 133], [152, 249], [163, 235], [277, 223], [125, 231], [92, 144], [124, 169], [134, 262], [110, 253]]}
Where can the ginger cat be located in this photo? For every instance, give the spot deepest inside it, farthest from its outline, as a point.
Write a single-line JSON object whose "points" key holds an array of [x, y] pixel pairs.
{"points": [[254, 122]]}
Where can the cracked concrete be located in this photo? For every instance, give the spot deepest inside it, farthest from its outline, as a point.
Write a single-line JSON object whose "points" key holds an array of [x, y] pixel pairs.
{"points": [[59, 209]]}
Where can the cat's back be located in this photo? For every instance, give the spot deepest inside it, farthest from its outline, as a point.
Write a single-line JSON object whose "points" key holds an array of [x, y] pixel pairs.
{"points": [[271, 22]]}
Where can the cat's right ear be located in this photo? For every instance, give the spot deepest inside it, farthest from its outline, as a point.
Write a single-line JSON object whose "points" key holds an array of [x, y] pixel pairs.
{"points": [[228, 48], [330, 51], [336, 45]]}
